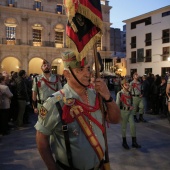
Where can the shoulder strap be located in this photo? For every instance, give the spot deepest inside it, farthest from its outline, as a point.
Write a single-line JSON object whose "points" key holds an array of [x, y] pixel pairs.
{"points": [[66, 137], [38, 93]]}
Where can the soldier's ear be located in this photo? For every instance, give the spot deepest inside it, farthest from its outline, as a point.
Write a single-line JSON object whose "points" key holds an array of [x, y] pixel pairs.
{"points": [[66, 74]]}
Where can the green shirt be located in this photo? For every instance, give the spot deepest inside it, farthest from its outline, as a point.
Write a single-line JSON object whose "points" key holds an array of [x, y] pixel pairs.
{"points": [[44, 90], [83, 155]]}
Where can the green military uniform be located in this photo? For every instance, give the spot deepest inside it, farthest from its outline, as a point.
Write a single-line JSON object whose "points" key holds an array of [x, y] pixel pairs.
{"points": [[126, 113], [49, 123], [124, 101], [135, 88], [45, 87]]}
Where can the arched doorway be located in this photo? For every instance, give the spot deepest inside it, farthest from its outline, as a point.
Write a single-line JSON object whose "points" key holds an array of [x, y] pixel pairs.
{"points": [[35, 66], [57, 66], [10, 64]]}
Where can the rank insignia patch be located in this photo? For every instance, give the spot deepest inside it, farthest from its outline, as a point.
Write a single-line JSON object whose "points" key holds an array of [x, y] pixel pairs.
{"points": [[43, 111]]}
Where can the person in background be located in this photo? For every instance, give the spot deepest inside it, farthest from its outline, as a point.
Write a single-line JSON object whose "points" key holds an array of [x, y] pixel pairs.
{"points": [[162, 98], [14, 104], [81, 120], [135, 89], [155, 95], [22, 97], [44, 86], [125, 103], [168, 98], [5, 99], [145, 93]]}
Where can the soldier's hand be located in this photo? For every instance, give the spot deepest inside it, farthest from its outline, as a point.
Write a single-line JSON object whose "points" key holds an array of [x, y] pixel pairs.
{"points": [[102, 88], [35, 110]]}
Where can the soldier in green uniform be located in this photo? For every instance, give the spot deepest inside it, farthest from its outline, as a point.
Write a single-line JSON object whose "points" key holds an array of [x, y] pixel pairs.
{"points": [[135, 88], [80, 120], [44, 85], [125, 103]]}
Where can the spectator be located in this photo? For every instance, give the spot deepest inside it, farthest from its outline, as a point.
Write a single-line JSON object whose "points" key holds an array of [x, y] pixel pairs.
{"points": [[5, 97], [22, 96]]}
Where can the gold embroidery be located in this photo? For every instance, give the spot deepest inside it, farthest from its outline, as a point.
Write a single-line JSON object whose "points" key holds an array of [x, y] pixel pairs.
{"points": [[43, 111]]}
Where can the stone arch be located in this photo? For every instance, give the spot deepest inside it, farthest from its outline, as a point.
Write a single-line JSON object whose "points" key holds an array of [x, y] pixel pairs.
{"points": [[34, 65], [57, 66], [10, 22], [10, 63]]}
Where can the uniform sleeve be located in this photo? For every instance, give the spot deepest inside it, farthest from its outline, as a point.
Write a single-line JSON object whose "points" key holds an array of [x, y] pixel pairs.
{"points": [[118, 99], [49, 117], [34, 88]]}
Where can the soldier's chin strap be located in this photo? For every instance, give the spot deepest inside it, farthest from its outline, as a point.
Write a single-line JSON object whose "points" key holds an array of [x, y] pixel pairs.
{"points": [[76, 78]]}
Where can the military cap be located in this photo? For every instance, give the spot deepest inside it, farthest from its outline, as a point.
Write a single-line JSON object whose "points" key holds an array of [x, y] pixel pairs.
{"points": [[70, 60], [45, 62], [124, 81]]}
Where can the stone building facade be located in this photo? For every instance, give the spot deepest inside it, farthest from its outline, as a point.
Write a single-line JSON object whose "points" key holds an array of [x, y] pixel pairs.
{"points": [[32, 30]]}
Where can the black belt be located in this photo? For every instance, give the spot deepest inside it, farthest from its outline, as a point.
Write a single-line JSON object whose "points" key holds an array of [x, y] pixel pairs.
{"points": [[40, 101], [65, 167], [136, 95], [126, 108]]}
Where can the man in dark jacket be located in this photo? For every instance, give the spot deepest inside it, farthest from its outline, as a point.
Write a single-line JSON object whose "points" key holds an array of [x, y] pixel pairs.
{"points": [[145, 92], [22, 96]]}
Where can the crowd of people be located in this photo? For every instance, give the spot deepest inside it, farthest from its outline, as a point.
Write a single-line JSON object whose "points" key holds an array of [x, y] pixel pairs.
{"points": [[151, 90], [71, 103], [16, 97]]}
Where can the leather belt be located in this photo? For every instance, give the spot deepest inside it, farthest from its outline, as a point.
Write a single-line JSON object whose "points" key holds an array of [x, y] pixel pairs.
{"points": [[126, 108], [136, 95], [65, 167]]}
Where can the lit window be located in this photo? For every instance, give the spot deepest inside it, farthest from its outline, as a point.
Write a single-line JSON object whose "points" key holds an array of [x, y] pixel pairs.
{"points": [[10, 35], [36, 35], [37, 5], [59, 9], [59, 39], [11, 2], [166, 53]]}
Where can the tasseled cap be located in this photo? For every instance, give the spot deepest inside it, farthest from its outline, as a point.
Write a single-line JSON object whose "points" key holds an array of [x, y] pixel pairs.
{"points": [[124, 81], [69, 60], [45, 62]]}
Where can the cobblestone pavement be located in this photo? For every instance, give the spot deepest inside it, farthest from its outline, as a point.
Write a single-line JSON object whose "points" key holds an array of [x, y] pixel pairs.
{"points": [[18, 150]]}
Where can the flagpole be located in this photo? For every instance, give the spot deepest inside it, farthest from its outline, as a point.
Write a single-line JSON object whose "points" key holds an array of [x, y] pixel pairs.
{"points": [[106, 161]]}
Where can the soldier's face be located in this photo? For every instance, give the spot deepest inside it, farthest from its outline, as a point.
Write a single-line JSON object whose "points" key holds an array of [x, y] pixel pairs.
{"points": [[46, 68], [83, 74]]}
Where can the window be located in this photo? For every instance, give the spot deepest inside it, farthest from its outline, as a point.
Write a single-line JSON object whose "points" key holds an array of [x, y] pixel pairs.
{"points": [[59, 9], [148, 39], [140, 55], [166, 53], [36, 35], [37, 5], [132, 71], [148, 57], [118, 60], [11, 2], [59, 39], [133, 42], [148, 70], [166, 36], [147, 21], [133, 57], [10, 35], [10, 30], [164, 14]]}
